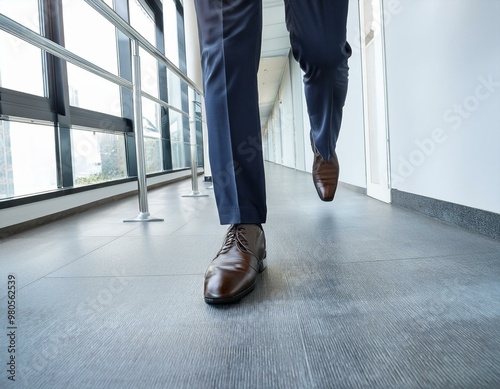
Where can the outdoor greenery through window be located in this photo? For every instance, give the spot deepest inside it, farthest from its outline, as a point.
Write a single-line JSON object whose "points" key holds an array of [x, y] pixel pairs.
{"points": [[97, 156]]}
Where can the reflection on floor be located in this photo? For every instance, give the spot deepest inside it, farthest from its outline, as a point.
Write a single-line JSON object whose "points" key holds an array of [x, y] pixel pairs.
{"points": [[358, 294]]}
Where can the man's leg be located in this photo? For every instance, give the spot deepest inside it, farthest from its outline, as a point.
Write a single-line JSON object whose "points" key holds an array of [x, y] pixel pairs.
{"points": [[318, 37], [230, 38]]}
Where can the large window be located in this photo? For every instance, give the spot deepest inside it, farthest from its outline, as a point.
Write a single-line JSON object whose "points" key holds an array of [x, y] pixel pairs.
{"points": [[27, 159], [63, 126], [97, 45], [21, 63]]}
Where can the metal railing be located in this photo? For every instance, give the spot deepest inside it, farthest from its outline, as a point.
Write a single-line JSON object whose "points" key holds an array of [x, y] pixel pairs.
{"points": [[128, 30], [24, 33]]}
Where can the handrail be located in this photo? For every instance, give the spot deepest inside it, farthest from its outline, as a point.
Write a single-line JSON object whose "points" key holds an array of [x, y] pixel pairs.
{"points": [[24, 33], [115, 19], [161, 102]]}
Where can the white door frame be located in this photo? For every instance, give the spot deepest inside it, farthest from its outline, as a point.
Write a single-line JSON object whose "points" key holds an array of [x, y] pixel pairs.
{"points": [[378, 183]]}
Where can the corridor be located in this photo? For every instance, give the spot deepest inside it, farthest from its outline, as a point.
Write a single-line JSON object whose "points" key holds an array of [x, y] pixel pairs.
{"points": [[358, 294]]}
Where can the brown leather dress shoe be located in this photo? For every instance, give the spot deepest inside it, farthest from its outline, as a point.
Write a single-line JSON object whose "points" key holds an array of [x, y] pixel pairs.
{"points": [[325, 175], [233, 272]]}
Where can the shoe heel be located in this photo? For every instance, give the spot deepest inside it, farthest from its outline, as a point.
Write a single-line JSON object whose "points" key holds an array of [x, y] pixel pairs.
{"points": [[263, 263]]}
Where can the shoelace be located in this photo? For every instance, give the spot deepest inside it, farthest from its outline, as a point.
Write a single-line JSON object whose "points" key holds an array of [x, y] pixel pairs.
{"points": [[234, 236]]}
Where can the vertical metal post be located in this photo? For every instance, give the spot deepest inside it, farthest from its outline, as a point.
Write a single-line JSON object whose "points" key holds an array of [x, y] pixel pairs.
{"points": [[194, 149], [143, 215]]}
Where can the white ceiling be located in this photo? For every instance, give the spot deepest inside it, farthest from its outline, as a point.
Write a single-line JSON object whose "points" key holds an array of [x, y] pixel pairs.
{"points": [[275, 48]]}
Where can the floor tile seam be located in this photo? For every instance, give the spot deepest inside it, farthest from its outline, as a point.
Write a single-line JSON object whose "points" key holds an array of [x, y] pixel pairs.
{"points": [[82, 256], [185, 222], [76, 259], [133, 229], [126, 276], [79, 235], [302, 340], [431, 220], [44, 235], [218, 236], [366, 225], [445, 256]]}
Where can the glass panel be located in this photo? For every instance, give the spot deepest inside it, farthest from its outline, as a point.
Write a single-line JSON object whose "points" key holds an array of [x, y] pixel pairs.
{"points": [[179, 138], [24, 12], [20, 62], [199, 129], [89, 35], [141, 19], [153, 154], [152, 135], [174, 90], [86, 90], [150, 118], [27, 159], [170, 27], [149, 73], [97, 157], [20, 65]]}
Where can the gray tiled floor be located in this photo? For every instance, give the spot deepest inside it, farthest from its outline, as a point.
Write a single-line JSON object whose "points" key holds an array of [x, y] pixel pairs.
{"points": [[358, 294]]}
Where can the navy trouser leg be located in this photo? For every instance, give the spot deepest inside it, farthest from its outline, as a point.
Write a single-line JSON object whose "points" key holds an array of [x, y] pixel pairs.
{"points": [[318, 38], [230, 39]]}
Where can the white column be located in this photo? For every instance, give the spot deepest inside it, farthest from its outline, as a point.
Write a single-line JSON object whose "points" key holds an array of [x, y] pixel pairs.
{"points": [[193, 60]]}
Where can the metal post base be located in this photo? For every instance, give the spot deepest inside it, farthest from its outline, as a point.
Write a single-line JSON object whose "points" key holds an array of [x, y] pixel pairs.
{"points": [[195, 193], [144, 217]]}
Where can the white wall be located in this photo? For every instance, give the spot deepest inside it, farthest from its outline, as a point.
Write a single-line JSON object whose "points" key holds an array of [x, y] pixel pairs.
{"points": [[351, 143], [443, 85], [287, 139], [443, 74]]}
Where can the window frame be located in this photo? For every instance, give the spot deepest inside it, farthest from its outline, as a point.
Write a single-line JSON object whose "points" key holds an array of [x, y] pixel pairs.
{"points": [[55, 107]]}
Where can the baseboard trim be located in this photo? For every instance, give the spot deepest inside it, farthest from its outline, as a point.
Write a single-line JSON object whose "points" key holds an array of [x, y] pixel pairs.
{"points": [[354, 188], [29, 224], [473, 219], [78, 206]]}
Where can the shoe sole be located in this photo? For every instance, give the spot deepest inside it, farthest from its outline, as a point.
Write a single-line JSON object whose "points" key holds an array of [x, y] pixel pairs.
{"points": [[239, 296]]}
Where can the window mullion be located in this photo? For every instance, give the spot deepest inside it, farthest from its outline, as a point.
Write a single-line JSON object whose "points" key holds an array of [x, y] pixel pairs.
{"points": [[57, 79], [125, 71]]}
